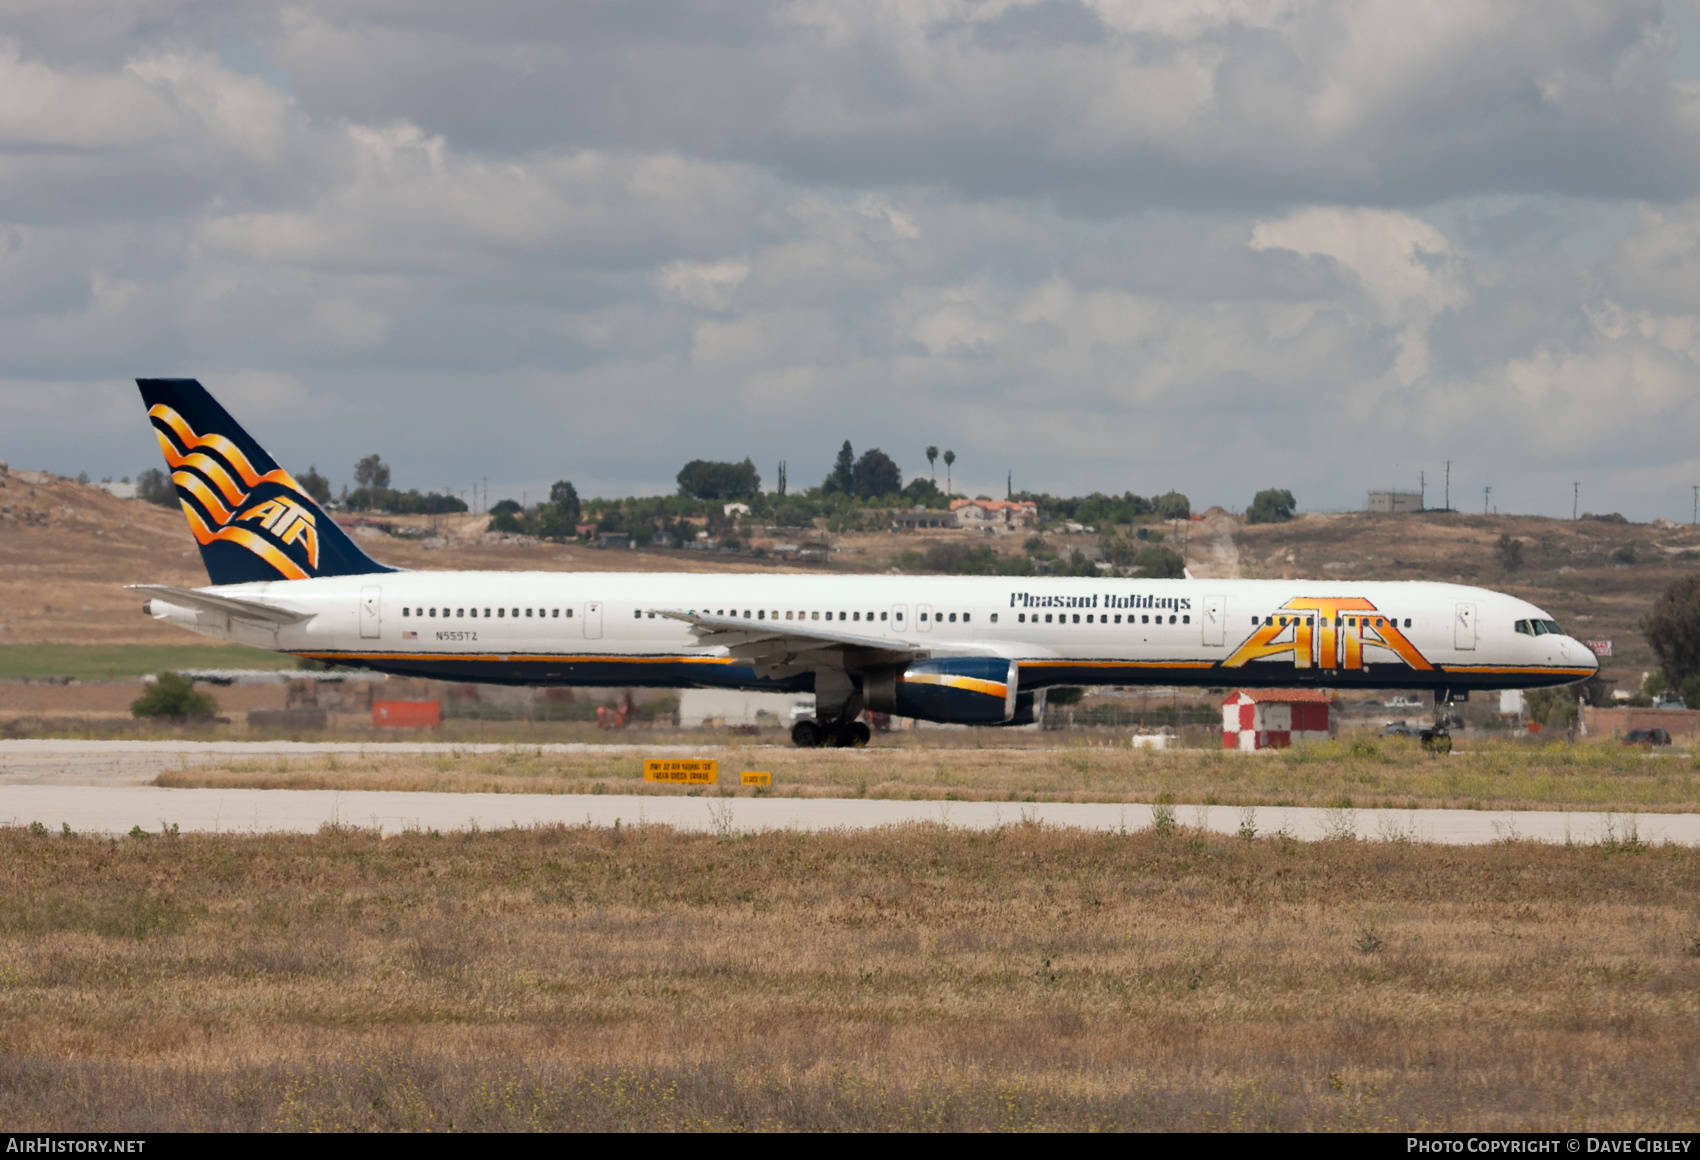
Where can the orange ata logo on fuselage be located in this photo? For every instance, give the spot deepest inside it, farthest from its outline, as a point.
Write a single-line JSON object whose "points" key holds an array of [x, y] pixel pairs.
{"points": [[1328, 632]]}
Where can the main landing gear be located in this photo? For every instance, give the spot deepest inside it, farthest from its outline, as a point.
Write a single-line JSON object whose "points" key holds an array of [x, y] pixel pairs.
{"points": [[808, 734]]}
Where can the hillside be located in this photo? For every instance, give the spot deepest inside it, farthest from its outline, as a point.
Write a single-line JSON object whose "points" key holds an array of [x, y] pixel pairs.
{"points": [[67, 550]]}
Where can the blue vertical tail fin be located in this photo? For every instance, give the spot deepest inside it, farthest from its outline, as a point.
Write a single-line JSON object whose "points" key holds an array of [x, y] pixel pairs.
{"points": [[250, 517]]}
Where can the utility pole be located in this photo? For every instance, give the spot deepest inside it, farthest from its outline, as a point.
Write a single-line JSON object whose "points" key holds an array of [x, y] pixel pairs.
{"points": [[1422, 491], [1009, 486], [486, 507], [1448, 485], [1575, 500], [1486, 491], [1696, 519]]}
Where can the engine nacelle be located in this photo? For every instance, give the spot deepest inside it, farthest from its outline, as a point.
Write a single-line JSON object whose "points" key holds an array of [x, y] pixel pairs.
{"points": [[952, 690]]}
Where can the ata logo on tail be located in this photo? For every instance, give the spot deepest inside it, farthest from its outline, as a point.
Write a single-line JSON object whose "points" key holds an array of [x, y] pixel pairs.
{"points": [[291, 540], [1330, 633]]}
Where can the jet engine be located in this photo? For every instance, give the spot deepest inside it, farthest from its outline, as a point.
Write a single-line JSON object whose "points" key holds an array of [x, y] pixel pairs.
{"points": [[953, 690]]}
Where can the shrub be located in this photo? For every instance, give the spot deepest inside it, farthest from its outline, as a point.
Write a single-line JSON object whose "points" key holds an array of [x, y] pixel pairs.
{"points": [[1271, 506], [173, 695]]}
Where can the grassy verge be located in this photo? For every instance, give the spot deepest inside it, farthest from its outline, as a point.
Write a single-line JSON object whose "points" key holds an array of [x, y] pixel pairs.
{"points": [[1365, 774], [108, 662], [905, 979]]}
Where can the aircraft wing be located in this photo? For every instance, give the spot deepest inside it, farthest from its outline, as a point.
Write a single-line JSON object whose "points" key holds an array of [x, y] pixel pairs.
{"points": [[775, 649], [251, 610]]}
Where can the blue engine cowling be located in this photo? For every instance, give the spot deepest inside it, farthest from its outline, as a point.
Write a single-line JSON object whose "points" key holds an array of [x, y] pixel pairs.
{"points": [[955, 691]]}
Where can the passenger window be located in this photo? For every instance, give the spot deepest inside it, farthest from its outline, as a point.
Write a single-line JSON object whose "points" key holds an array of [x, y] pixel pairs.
{"points": [[1077, 618], [1088, 618], [1407, 622], [855, 616], [1171, 618], [953, 618], [404, 612], [1021, 618], [870, 616], [923, 616], [787, 616], [882, 616], [760, 614], [1186, 620], [1145, 619], [501, 612], [965, 618], [746, 614], [569, 614], [516, 612], [994, 618], [899, 617], [433, 613], [555, 613], [486, 614], [1268, 620], [637, 613], [1381, 622], [841, 616], [814, 616], [460, 612]]}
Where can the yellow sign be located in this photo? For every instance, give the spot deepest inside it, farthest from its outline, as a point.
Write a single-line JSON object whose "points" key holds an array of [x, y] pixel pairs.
{"points": [[684, 772], [751, 777]]}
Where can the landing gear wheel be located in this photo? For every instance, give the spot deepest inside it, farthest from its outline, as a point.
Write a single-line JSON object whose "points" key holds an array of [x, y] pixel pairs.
{"points": [[807, 735], [839, 736], [1437, 741], [859, 735]]}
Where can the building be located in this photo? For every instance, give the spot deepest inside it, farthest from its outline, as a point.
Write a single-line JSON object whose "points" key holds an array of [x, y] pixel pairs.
{"points": [[1273, 718], [981, 513], [1395, 501], [923, 517]]}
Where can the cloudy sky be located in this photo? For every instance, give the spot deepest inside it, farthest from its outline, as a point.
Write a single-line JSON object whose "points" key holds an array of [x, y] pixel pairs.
{"points": [[1211, 245]]}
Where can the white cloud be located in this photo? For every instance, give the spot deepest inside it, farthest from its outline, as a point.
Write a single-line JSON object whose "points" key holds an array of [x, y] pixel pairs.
{"points": [[1217, 245]]}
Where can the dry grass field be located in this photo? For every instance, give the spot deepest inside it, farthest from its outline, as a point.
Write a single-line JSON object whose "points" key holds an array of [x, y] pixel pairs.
{"points": [[915, 978], [1371, 773]]}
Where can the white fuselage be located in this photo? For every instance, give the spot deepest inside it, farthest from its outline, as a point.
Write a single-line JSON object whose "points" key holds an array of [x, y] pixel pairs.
{"points": [[600, 628]]}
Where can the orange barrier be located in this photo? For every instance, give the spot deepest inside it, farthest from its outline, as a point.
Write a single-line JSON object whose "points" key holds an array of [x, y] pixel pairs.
{"points": [[406, 714]]}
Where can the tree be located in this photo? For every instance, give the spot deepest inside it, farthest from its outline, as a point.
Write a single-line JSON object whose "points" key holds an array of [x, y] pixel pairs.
{"points": [[1161, 563], [1172, 506], [932, 463], [565, 498], [949, 460], [875, 475], [173, 695], [709, 480], [1271, 506], [154, 486], [372, 473], [1672, 628], [315, 484], [1510, 552], [843, 475]]}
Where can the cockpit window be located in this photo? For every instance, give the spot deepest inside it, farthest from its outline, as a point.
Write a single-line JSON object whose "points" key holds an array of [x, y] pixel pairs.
{"points": [[1522, 626], [1552, 627], [1540, 627]]}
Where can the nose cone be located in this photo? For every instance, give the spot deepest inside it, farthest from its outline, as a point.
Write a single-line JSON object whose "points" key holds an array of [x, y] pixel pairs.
{"points": [[1577, 653]]}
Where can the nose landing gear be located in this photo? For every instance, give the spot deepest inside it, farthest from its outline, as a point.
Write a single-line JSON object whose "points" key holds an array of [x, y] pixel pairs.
{"points": [[807, 734], [1438, 738]]}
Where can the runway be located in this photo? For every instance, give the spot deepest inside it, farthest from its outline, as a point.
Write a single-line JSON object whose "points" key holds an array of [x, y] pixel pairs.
{"points": [[98, 787]]}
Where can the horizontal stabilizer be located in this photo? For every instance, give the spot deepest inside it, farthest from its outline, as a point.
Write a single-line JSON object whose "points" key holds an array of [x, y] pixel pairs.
{"points": [[224, 605]]}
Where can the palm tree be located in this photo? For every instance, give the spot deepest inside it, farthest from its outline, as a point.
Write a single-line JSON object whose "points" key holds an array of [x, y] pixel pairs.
{"points": [[949, 458], [932, 459]]}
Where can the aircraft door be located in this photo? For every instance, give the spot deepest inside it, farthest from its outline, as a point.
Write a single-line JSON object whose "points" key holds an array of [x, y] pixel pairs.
{"points": [[593, 620], [1464, 627], [924, 617], [1215, 619], [371, 612]]}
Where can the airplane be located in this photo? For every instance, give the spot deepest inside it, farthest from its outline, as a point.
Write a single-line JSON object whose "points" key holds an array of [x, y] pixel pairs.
{"points": [[955, 649]]}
